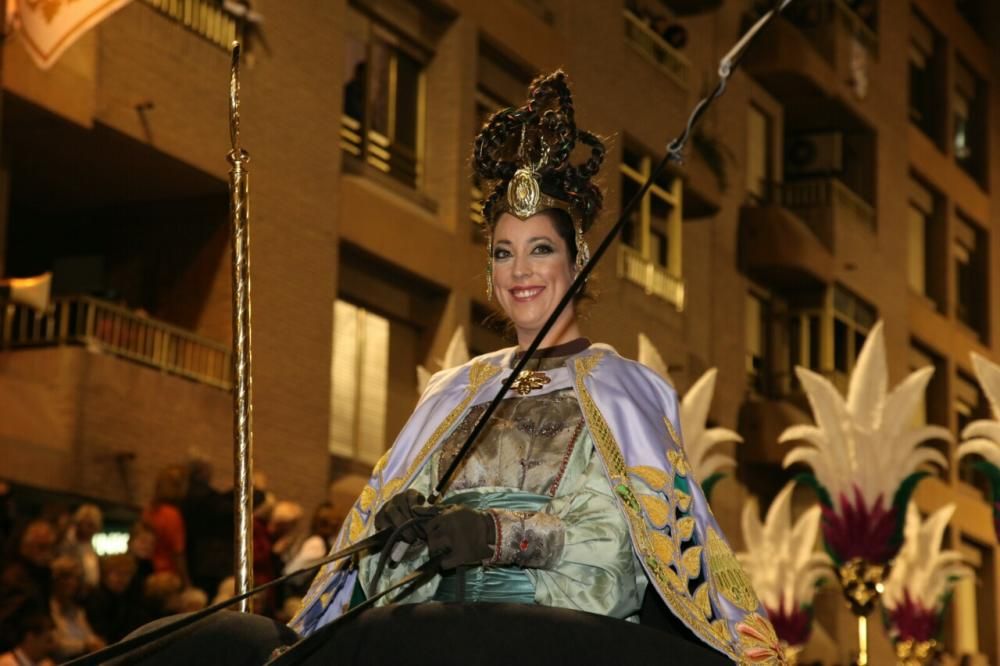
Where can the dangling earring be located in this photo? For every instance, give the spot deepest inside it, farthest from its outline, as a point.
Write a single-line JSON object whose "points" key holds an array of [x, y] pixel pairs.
{"points": [[582, 249], [489, 267]]}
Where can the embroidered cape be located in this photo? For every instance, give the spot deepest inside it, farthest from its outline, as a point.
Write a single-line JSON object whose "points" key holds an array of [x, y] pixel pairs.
{"points": [[632, 415]]}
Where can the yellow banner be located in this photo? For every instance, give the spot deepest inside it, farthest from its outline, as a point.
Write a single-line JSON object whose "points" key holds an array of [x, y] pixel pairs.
{"points": [[49, 27]]}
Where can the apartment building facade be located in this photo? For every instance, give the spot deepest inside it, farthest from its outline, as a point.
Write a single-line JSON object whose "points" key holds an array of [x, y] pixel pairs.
{"points": [[845, 177]]}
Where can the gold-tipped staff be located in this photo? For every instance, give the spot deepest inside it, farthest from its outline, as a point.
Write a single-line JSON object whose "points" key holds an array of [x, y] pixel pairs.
{"points": [[239, 215]]}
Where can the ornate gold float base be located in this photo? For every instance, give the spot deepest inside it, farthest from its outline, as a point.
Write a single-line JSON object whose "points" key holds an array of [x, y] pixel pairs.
{"points": [[915, 653], [862, 583]]}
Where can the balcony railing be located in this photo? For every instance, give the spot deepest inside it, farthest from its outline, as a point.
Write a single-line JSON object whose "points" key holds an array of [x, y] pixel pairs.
{"points": [[820, 202], [120, 331], [823, 20], [653, 47], [208, 18], [653, 278], [378, 151]]}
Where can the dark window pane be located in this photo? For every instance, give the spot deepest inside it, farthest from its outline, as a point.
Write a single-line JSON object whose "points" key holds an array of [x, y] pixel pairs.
{"points": [[814, 339], [407, 101], [841, 361], [659, 251], [630, 234], [920, 98], [355, 66], [378, 80], [659, 226], [633, 159]]}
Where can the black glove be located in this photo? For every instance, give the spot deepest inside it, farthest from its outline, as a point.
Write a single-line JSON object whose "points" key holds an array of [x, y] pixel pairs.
{"points": [[397, 511], [465, 535]]}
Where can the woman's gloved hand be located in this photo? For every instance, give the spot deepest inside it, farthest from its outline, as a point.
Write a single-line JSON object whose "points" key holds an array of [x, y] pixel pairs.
{"points": [[466, 536], [399, 510]]}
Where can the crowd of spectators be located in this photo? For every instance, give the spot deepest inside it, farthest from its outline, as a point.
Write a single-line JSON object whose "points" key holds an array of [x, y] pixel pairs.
{"points": [[60, 599]]}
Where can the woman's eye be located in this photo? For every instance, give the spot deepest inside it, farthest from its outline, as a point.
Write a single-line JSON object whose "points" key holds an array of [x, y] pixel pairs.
{"points": [[542, 249], [500, 253]]}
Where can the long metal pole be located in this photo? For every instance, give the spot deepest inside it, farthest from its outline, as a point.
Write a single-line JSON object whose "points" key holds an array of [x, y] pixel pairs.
{"points": [[239, 215]]}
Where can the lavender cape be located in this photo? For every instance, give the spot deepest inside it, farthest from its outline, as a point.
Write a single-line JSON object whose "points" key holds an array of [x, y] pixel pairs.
{"points": [[632, 415]]}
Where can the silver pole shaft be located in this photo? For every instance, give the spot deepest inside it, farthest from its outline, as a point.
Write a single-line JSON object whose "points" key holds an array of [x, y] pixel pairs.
{"points": [[239, 215]]}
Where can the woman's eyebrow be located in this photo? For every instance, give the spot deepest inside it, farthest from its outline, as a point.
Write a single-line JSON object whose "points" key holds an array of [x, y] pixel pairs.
{"points": [[504, 241]]}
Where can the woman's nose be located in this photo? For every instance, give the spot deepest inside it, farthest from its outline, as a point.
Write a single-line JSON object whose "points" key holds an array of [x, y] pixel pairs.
{"points": [[522, 266]]}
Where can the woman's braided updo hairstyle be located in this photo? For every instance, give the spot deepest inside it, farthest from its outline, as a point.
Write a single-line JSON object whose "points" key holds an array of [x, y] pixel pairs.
{"points": [[545, 123]]}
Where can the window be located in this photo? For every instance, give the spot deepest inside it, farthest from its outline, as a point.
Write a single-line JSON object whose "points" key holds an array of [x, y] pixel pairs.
{"points": [[382, 121], [925, 269], [650, 254], [934, 405], [654, 229], [384, 325], [969, 250], [359, 377], [501, 81], [805, 340], [852, 320], [486, 105], [968, 121], [759, 155], [924, 76], [757, 309]]}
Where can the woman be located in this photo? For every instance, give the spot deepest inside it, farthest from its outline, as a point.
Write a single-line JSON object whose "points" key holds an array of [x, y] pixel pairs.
{"points": [[73, 635], [577, 494], [164, 519]]}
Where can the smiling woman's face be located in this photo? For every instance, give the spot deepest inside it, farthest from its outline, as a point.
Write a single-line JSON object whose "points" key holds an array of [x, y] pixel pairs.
{"points": [[532, 269]]}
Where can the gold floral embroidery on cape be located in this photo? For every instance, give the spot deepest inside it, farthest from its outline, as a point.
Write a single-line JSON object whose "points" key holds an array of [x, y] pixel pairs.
{"points": [[759, 642], [664, 535]]}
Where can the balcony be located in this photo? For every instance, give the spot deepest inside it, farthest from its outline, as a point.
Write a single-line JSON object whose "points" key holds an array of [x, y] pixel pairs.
{"points": [[779, 248], [378, 151], [96, 399], [653, 278], [208, 18], [825, 203], [104, 327], [820, 46], [653, 48]]}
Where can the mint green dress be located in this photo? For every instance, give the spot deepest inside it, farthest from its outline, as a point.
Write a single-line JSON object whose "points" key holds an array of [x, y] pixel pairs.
{"points": [[561, 539]]}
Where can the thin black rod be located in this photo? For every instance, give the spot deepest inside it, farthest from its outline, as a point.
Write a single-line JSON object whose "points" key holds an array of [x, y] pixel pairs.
{"points": [[128, 645], [303, 649]]}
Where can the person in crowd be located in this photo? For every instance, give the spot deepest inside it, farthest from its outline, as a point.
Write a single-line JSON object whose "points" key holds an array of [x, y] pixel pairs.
{"points": [[164, 518], [161, 594], [26, 576], [73, 634], [281, 527], [142, 545], [115, 608], [314, 548], [33, 643], [191, 600], [87, 521], [208, 522]]}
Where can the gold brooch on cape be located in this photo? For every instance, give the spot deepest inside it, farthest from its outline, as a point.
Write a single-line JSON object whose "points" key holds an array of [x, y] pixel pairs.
{"points": [[529, 380]]}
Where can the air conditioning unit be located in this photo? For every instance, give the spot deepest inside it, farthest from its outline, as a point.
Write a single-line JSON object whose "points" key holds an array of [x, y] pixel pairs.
{"points": [[814, 154]]}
